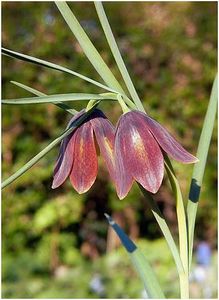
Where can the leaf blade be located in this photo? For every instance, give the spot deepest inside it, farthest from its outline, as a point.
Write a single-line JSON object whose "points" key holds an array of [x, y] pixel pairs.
{"points": [[164, 228], [53, 66], [117, 55], [141, 264], [88, 47], [38, 93], [199, 168], [59, 98]]}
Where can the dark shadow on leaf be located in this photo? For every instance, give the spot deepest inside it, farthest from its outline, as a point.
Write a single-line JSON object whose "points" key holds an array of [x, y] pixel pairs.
{"points": [[194, 191], [125, 240]]}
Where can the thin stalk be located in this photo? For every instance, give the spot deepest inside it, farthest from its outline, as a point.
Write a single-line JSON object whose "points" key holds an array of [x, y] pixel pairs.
{"points": [[199, 168], [122, 104], [117, 55], [182, 229], [42, 153], [164, 228]]}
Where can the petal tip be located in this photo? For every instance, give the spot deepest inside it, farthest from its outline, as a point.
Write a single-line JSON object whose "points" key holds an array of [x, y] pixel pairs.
{"points": [[192, 160], [82, 191], [121, 196], [54, 186]]}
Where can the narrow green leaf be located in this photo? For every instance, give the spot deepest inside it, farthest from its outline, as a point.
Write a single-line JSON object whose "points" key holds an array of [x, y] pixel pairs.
{"points": [[42, 153], [38, 93], [182, 229], [50, 65], [140, 262], [60, 98], [164, 228], [117, 55], [87, 46], [199, 168]]}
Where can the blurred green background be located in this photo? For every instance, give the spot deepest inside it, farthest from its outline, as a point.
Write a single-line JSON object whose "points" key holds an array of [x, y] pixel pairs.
{"points": [[55, 243]]}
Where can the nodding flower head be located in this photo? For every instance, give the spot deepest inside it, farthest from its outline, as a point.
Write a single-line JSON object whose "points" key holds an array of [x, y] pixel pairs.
{"points": [[139, 142], [78, 158]]}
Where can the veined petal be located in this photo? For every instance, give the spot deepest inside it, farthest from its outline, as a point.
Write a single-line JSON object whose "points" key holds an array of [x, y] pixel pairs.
{"points": [[105, 135], [124, 179], [64, 162], [167, 142], [141, 155], [84, 170], [66, 154]]}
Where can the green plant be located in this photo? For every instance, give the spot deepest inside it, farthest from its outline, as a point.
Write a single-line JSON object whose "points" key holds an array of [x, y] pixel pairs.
{"points": [[116, 92]]}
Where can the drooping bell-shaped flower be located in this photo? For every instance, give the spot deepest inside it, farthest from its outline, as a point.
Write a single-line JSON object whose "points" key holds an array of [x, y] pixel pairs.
{"points": [[78, 158], [139, 141]]}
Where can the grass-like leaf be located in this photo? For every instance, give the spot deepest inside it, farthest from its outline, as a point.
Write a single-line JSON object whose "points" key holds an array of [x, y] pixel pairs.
{"points": [[199, 168], [117, 55], [38, 93], [182, 229], [48, 148], [140, 262], [88, 47], [164, 228], [50, 65], [60, 98]]}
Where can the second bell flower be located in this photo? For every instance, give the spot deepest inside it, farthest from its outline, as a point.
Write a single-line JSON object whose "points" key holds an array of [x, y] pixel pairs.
{"points": [[139, 142]]}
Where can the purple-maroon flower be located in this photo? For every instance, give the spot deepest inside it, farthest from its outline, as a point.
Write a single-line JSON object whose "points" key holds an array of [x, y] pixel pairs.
{"points": [[139, 141], [78, 158]]}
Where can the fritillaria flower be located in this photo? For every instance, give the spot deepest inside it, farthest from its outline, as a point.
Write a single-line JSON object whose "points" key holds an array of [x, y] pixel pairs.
{"points": [[78, 158], [139, 142]]}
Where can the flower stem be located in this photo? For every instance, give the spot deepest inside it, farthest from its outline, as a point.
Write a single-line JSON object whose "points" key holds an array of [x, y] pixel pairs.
{"points": [[122, 103]]}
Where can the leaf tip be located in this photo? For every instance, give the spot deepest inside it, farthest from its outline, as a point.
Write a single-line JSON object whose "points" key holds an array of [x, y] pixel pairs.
{"points": [[109, 219]]}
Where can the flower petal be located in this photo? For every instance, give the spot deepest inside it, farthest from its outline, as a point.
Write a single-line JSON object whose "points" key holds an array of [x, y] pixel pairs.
{"points": [[105, 135], [84, 170], [168, 142], [66, 154], [124, 179], [64, 162], [141, 155]]}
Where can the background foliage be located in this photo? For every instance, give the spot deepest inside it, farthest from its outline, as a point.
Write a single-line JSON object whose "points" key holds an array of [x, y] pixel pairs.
{"points": [[55, 241]]}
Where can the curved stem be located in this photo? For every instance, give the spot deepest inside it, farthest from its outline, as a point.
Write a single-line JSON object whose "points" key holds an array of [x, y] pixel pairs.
{"points": [[122, 104]]}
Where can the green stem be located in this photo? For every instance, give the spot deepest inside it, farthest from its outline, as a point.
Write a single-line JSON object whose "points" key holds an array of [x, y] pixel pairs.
{"points": [[91, 104], [124, 107], [199, 168]]}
